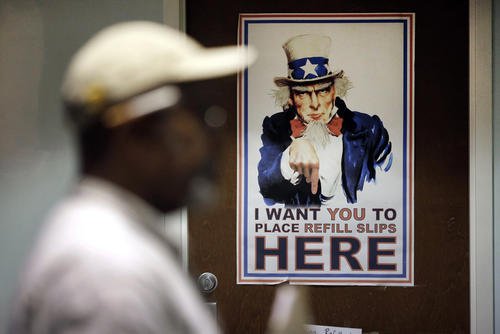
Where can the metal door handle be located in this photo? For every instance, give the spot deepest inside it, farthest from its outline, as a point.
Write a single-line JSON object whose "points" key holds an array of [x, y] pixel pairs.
{"points": [[207, 282]]}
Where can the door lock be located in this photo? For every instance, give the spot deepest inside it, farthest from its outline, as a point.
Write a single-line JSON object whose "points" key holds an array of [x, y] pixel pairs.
{"points": [[207, 282]]}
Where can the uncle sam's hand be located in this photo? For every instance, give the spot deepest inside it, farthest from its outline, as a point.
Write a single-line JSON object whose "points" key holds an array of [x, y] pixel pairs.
{"points": [[304, 160]]}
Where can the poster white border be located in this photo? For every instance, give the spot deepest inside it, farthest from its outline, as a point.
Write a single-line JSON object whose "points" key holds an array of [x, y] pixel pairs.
{"points": [[408, 19]]}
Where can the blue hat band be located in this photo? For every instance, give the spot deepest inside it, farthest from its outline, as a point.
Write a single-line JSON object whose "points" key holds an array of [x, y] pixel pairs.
{"points": [[308, 68]]}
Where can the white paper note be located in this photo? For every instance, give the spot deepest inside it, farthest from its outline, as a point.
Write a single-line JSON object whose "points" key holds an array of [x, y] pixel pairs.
{"points": [[315, 329]]}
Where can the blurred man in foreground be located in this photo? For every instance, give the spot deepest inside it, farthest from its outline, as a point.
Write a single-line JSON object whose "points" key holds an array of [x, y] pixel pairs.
{"points": [[102, 264]]}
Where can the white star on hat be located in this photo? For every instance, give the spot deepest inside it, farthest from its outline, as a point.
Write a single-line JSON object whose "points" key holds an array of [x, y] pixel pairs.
{"points": [[309, 68]]}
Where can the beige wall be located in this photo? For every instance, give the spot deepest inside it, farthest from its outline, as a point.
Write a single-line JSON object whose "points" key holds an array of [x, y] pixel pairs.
{"points": [[37, 163]]}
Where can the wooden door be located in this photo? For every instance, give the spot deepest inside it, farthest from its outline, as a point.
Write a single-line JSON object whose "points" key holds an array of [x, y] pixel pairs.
{"points": [[439, 301]]}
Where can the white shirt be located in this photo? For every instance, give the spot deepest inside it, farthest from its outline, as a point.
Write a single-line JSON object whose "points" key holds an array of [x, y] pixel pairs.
{"points": [[102, 265]]}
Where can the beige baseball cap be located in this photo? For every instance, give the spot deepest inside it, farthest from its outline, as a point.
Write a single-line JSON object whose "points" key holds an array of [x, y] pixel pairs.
{"points": [[134, 66]]}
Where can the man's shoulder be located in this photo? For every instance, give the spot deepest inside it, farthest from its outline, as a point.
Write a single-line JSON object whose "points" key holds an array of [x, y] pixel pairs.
{"points": [[83, 230], [79, 217]]}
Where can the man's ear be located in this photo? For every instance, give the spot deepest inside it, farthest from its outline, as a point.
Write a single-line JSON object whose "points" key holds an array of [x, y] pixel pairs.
{"points": [[122, 142], [131, 140]]}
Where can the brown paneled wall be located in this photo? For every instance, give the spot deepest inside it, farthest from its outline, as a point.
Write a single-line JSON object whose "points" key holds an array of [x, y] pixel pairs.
{"points": [[439, 302]]}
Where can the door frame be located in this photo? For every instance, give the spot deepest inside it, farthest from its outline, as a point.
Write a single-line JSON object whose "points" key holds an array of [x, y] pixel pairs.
{"points": [[481, 167], [480, 161]]}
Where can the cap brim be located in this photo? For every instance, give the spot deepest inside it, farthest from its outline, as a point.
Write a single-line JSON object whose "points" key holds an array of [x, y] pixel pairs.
{"points": [[214, 62]]}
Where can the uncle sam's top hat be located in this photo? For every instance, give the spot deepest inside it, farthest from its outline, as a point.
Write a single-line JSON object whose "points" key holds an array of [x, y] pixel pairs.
{"points": [[308, 60]]}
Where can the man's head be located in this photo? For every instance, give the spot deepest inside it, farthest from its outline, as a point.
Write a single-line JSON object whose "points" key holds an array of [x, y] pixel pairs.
{"points": [[311, 86], [155, 156], [124, 92]]}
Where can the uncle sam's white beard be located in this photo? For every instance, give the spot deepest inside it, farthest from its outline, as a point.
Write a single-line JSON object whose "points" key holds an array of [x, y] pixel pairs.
{"points": [[317, 132]]}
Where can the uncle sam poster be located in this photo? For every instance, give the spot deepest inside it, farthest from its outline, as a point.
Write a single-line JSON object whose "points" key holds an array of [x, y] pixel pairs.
{"points": [[325, 150]]}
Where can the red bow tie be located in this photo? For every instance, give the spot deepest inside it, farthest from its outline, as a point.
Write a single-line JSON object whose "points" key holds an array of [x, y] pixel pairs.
{"points": [[334, 126]]}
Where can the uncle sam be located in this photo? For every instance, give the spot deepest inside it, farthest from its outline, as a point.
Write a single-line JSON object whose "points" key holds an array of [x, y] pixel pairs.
{"points": [[317, 148]]}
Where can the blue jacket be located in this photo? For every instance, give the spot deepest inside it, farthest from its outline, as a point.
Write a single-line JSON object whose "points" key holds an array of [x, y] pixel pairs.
{"points": [[365, 145]]}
